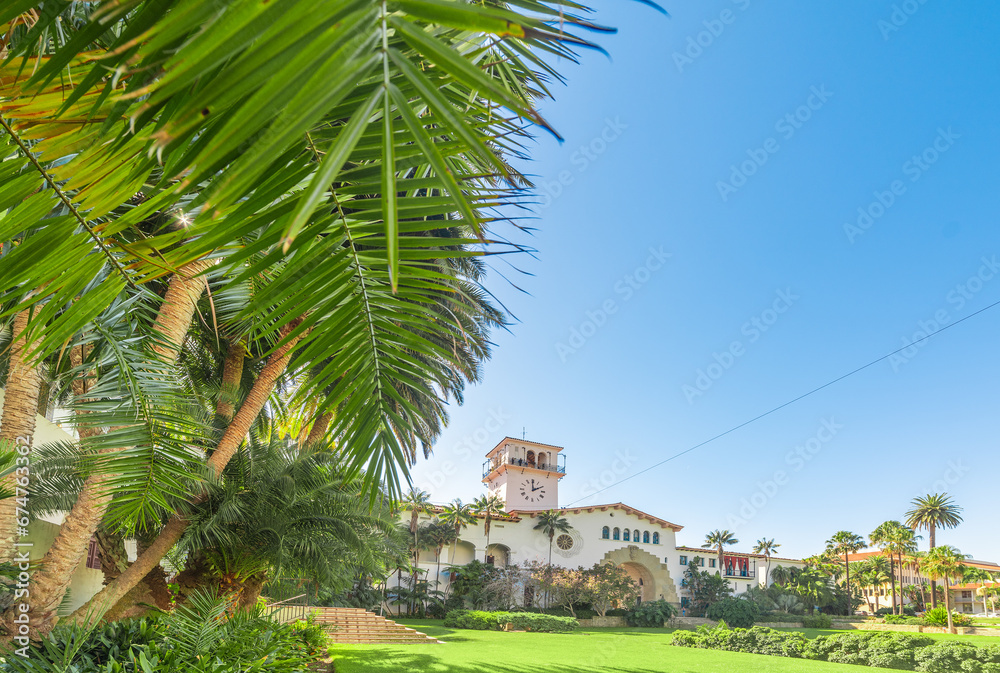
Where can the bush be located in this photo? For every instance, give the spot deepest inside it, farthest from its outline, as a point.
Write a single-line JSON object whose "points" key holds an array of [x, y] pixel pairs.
{"points": [[903, 619], [494, 621], [204, 634], [650, 614], [528, 621], [436, 610], [735, 612], [875, 649], [817, 621], [939, 617]]}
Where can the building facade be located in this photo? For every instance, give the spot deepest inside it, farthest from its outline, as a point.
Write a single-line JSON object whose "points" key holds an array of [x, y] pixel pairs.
{"points": [[525, 475]]}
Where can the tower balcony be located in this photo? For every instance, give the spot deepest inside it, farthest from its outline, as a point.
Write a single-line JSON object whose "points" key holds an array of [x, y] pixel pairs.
{"points": [[498, 464]]}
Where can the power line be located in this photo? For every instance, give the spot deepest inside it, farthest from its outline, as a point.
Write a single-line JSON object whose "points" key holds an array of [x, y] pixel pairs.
{"points": [[788, 403]]}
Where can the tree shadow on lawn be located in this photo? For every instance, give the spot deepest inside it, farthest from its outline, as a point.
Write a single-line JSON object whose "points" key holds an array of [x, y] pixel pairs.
{"points": [[430, 661]]}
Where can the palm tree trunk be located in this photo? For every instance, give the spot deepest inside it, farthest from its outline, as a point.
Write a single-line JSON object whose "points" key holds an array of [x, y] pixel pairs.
{"points": [[232, 375], [318, 431], [947, 605], [892, 582], [49, 584], [486, 551], [114, 557], [931, 540], [437, 578], [231, 440], [17, 425]]}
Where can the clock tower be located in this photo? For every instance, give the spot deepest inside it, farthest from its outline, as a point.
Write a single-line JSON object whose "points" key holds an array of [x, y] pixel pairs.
{"points": [[525, 474]]}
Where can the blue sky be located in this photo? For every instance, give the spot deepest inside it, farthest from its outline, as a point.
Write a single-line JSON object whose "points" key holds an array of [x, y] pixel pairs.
{"points": [[705, 260]]}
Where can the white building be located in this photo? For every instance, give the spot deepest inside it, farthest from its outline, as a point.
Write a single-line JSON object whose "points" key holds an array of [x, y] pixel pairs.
{"points": [[525, 475]]}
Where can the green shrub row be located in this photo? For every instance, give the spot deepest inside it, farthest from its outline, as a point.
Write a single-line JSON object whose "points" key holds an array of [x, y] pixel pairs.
{"points": [[650, 614], [881, 650], [817, 621], [522, 621]]}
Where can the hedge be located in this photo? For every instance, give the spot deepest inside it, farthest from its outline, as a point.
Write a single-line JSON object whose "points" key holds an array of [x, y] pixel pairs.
{"points": [[495, 621], [881, 650]]}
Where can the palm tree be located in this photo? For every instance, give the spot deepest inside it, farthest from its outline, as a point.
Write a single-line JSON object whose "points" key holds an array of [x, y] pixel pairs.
{"points": [[782, 574], [931, 512], [895, 539], [766, 547], [979, 576], [944, 563], [551, 522], [877, 572], [17, 424], [439, 535], [843, 543], [488, 506], [142, 188], [417, 502], [716, 540], [458, 516]]}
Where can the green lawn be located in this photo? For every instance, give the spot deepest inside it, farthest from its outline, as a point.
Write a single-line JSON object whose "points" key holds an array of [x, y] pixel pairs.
{"points": [[583, 651]]}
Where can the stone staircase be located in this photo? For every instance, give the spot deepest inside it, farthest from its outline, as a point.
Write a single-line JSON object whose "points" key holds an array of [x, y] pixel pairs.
{"points": [[354, 625]]}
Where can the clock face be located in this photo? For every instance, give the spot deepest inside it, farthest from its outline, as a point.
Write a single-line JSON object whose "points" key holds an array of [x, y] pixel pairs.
{"points": [[532, 490]]}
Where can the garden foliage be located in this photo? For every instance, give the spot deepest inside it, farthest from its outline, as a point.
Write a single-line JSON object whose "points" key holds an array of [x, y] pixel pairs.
{"points": [[880, 650], [523, 621]]}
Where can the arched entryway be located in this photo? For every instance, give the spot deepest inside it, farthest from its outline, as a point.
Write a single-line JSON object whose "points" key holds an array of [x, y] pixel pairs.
{"points": [[641, 575], [641, 565]]}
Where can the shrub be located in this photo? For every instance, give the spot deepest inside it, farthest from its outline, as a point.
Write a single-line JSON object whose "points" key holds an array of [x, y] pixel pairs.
{"points": [[650, 614], [903, 619], [735, 612], [875, 649], [949, 656], [817, 621], [436, 610], [204, 634], [939, 617], [494, 621], [528, 621]]}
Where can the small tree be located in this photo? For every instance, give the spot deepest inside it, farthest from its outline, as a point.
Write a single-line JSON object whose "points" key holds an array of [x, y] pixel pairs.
{"points": [[944, 563], [704, 587], [568, 587], [608, 586]]}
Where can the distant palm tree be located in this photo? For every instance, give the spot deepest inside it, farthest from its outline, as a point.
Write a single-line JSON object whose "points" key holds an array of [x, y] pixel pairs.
{"points": [[932, 512], [944, 562], [716, 540], [439, 535], [489, 506], [766, 547], [876, 572], [458, 516], [979, 576], [843, 543], [418, 502], [551, 522], [895, 539], [782, 574]]}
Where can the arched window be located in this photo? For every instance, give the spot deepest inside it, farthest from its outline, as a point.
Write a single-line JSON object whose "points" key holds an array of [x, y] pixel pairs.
{"points": [[626, 535], [645, 537], [656, 538], [531, 458], [605, 533], [635, 536], [543, 460], [617, 534]]}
